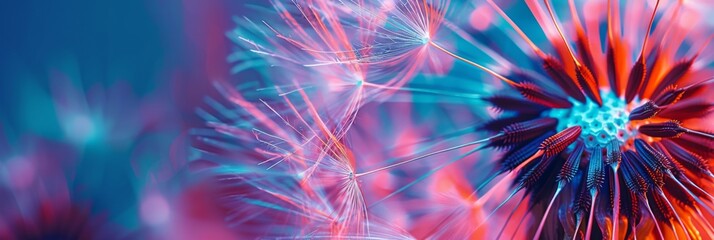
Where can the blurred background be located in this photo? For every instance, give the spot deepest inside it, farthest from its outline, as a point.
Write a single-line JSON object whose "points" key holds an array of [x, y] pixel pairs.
{"points": [[94, 99]]}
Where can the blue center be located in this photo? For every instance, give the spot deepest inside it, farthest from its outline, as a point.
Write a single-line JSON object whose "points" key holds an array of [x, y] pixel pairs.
{"points": [[600, 124]]}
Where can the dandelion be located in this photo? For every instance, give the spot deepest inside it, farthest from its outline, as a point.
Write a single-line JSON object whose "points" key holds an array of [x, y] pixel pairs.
{"points": [[307, 171], [609, 133], [38, 200], [604, 132]]}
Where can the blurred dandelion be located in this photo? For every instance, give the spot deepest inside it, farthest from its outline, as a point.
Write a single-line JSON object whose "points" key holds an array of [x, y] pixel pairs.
{"points": [[600, 124], [75, 181], [38, 201], [306, 178]]}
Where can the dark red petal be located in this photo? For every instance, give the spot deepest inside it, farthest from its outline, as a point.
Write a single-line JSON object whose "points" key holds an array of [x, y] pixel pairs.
{"points": [[664, 129], [536, 94], [496, 125], [653, 59], [588, 84], [675, 167], [533, 175], [645, 111], [651, 156], [634, 82], [703, 147], [585, 53], [687, 109], [661, 208], [558, 142], [523, 131], [515, 157], [561, 77], [670, 95], [688, 159], [675, 73], [613, 69], [678, 193], [514, 103]]}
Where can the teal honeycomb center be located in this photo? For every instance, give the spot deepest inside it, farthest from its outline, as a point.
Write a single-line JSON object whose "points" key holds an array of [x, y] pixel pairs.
{"points": [[600, 124]]}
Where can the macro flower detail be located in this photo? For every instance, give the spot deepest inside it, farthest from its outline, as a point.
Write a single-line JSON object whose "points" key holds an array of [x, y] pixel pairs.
{"points": [[614, 145], [600, 122], [621, 141]]}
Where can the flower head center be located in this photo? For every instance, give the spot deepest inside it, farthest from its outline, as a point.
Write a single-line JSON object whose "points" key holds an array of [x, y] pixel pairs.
{"points": [[600, 124]]}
